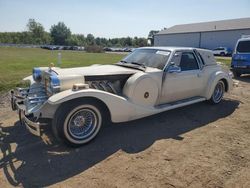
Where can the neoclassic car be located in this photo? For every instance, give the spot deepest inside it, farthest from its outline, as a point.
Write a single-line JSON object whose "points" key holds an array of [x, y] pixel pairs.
{"points": [[76, 102]]}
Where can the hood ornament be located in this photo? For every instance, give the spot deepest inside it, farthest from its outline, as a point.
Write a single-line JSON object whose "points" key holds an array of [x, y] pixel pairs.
{"points": [[51, 65]]}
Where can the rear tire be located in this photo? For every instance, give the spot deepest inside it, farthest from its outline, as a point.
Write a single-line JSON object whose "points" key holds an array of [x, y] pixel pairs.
{"points": [[77, 122], [222, 54], [236, 74], [218, 93]]}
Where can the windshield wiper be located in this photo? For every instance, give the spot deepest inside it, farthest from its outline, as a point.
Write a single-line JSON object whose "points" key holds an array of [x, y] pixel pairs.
{"points": [[135, 63], [131, 65], [122, 61]]}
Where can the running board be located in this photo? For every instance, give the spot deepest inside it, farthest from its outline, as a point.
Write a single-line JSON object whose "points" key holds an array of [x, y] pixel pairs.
{"points": [[181, 103]]}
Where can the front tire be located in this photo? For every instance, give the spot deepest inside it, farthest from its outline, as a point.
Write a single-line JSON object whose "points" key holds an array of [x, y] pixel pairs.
{"points": [[218, 93], [77, 122]]}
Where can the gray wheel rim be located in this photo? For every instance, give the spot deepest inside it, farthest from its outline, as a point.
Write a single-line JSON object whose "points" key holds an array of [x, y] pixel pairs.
{"points": [[82, 123], [218, 92]]}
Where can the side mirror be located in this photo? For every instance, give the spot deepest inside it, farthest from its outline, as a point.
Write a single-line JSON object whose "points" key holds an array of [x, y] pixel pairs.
{"points": [[173, 68]]}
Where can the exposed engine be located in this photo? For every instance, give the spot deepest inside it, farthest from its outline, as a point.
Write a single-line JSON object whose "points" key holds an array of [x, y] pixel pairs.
{"points": [[112, 84], [108, 86]]}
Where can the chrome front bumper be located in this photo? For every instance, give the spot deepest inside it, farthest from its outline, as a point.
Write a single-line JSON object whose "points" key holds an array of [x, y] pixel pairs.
{"points": [[31, 123], [33, 127]]}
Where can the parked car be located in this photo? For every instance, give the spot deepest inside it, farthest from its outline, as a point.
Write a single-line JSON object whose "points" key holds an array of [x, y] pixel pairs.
{"points": [[76, 102], [127, 49], [107, 49], [117, 49], [241, 57], [222, 51], [49, 47], [67, 48]]}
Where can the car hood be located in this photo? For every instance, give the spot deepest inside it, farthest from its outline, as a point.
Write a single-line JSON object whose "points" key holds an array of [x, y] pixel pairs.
{"points": [[95, 70]]}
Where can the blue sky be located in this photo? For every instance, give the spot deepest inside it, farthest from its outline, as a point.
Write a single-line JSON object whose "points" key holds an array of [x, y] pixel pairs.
{"points": [[117, 18]]}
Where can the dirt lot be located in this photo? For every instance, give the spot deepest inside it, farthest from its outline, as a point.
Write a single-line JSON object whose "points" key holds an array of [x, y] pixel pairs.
{"points": [[196, 146]]}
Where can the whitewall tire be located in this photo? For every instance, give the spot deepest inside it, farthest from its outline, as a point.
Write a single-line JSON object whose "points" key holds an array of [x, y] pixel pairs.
{"points": [[77, 124]]}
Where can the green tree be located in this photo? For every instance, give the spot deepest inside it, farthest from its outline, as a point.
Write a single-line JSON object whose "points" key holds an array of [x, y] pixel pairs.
{"points": [[98, 41], [135, 42], [60, 33], [81, 39], [139, 42], [26, 38], [128, 41], [39, 36], [104, 42], [72, 41], [90, 39]]}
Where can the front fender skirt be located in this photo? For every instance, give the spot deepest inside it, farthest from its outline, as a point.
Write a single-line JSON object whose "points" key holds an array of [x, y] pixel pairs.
{"points": [[121, 109]]}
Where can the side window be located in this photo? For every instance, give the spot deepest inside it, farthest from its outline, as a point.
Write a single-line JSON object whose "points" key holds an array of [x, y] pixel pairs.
{"points": [[188, 62], [176, 58], [243, 47]]}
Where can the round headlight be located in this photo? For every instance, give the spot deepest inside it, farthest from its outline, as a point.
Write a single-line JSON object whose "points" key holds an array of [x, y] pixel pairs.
{"points": [[37, 74], [54, 83]]}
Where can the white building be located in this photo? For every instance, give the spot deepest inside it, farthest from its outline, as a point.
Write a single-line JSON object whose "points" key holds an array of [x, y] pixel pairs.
{"points": [[208, 35]]}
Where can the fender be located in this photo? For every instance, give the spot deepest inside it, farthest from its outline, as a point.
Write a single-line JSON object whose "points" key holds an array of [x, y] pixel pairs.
{"points": [[213, 80], [121, 109], [30, 79]]}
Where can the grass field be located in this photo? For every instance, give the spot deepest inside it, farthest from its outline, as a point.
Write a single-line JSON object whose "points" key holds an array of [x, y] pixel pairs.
{"points": [[16, 63], [224, 60]]}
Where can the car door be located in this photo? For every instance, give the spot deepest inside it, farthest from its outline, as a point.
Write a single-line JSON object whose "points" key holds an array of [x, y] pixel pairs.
{"points": [[186, 83]]}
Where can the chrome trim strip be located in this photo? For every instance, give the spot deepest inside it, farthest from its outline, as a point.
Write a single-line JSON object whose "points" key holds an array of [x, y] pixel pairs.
{"points": [[37, 102], [34, 98]]}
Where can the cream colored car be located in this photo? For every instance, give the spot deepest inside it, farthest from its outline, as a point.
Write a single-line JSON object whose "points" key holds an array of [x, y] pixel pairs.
{"points": [[76, 102]]}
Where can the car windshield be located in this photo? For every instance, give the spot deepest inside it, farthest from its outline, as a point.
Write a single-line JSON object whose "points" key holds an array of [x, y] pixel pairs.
{"points": [[148, 58], [243, 47]]}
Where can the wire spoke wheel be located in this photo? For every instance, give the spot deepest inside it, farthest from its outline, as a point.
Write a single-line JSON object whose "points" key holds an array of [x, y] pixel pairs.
{"points": [[82, 123], [78, 122]]}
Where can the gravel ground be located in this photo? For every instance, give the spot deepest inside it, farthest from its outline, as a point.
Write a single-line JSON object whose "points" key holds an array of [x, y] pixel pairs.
{"points": [[196, 146]]}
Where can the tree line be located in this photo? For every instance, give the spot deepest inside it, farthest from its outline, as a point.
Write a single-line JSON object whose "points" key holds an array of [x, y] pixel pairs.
{"points": [[60, 34]]}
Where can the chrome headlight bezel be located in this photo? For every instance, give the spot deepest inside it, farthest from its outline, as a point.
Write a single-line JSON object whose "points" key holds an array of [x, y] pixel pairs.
{"points": [[37, 74], [54, 84]]}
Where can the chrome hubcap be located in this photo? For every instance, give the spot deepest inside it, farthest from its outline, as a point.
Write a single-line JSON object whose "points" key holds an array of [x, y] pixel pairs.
{"points": [[82, 123], [218, 92]]}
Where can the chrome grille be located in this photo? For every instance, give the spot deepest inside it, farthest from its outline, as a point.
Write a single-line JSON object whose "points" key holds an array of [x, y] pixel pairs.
{"points": [[47, 87]]}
